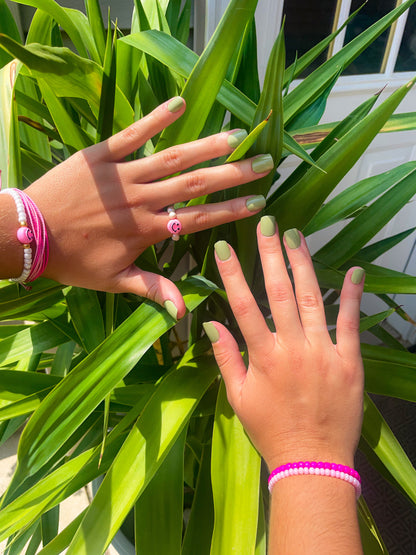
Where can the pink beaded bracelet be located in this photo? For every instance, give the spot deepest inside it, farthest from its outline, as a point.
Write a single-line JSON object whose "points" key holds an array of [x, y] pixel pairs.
{"points": [[32, 230], [332, 470]]}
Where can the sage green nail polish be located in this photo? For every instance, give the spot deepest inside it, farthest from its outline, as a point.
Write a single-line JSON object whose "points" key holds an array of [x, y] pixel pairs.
{"points": [[268, 226], [175, 104], [256, 203], [171, 309], [236, 138], [357, 275], [263, 163], [223, 250], [292, 238], [211, 331]]}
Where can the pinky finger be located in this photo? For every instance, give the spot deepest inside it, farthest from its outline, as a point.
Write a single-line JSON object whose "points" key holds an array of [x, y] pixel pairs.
{"points": [[348, 322], [229, 360]]}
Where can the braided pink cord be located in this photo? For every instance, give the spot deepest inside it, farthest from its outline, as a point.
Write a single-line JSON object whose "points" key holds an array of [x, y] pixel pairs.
{"points": [[37, 225]]}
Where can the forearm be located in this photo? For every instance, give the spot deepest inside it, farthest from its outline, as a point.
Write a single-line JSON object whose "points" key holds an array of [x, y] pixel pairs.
{"points": [[11, 251], [314, 515]]}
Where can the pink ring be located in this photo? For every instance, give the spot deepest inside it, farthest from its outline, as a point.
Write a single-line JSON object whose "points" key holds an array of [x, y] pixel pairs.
{"points": [[174, 225]]}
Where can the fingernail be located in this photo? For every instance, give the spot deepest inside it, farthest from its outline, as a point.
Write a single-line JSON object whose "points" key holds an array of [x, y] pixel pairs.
{"points": [[236, 138], [263, 163], [292, 238], [211, 331], [171, 309], [268, 226], [357, 275], [175, 104], [256, 203], [223, 250]]}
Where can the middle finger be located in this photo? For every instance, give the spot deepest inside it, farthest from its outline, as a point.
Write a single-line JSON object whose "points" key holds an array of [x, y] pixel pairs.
{"points": [[204, 181]]}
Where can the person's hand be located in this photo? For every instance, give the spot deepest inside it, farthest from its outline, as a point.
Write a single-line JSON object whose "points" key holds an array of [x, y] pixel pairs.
{"points": [[301, 397], [102, 212]]}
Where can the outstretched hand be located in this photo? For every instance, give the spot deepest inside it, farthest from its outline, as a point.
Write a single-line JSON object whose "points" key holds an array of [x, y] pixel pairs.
{"points": [[301, 397], [102, 212]]}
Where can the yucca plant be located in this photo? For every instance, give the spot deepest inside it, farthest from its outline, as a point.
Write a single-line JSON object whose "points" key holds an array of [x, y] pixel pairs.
{"points": [[106, 385]]}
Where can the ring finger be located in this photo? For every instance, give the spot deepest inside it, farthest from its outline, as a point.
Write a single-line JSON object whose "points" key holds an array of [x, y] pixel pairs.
{"points": [[203, 182]]}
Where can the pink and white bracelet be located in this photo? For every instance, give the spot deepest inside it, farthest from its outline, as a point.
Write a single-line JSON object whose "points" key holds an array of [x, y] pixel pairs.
{"points": [[32, 230], [331, 470]]}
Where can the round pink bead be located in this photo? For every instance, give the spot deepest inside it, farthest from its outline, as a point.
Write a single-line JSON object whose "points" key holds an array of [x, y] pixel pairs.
{"points": [[174, 226], [24, 235]]}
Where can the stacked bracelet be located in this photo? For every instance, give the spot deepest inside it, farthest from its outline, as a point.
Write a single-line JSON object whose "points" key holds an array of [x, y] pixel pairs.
{"points": [[339, 471], [32, 231]]}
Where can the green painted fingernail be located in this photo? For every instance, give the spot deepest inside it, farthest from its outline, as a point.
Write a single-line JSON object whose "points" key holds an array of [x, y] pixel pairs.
{"points": [[268, 226], [236, 138], [263, 163], [292, 238], [171, 309], [223, 250], [211, 331], [256, 203], [357, 275], [175, 104]]}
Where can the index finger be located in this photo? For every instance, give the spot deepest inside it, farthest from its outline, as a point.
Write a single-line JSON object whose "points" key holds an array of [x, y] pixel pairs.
{"points": [[128, 140]]}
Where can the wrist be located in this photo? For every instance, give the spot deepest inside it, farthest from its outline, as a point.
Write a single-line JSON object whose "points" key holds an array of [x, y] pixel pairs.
{"points": [[10, 247]]}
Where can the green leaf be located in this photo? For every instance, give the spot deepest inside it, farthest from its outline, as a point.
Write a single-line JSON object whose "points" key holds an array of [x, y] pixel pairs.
{"points": [[86, 385], [8, 27], [364, 226], [146, 447], [63, 539], [93, 11], [50, 525], [235, 476], [162, 501], [390, 372], [387, 449], [357, 196], [9, 130], [371, 539], [310, 88], [86, 316], [296, 207], [206, 78], [69, 75], [64, 19], [375, 250], [248, 142]]}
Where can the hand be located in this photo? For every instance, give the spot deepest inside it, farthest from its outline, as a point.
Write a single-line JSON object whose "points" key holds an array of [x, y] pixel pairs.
{"points": [[103, 212], [301, 397]]}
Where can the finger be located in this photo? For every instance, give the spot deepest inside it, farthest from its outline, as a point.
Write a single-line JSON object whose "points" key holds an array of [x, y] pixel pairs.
{"points": [[205, 216], [205, 181], [278, 285], [348, 321], [308, 294], [229, 359], [245, 309], [154, 287], [133, 137], [181, 157]]}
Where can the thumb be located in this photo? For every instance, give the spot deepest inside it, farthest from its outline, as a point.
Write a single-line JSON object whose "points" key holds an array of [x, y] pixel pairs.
{"points": [[229, 360], [154, 287]]}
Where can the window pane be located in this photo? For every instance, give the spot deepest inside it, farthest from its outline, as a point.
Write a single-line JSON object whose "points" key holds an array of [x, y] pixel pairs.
{"points": [[306, 24], [371, 59], [406, 60]]}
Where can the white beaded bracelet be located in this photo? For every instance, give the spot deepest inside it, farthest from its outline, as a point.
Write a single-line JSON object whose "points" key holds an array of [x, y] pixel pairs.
{"points": [[24, 235]]}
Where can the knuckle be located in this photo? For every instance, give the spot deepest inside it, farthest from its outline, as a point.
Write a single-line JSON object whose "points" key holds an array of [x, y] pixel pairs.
{"points": [[241, 306], [308, 301], [348, 324], [153, 291], [131, 133], [279, 293], [202, 219], [172, 158], [195, 184]]}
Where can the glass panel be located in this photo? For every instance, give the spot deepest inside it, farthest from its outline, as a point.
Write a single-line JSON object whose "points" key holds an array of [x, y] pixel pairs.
{"points": [[306, 24], [406, 60], [370, 60]]}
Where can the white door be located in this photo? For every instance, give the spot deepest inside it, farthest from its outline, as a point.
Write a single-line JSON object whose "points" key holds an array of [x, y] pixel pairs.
{"points": [[389, 62]]}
